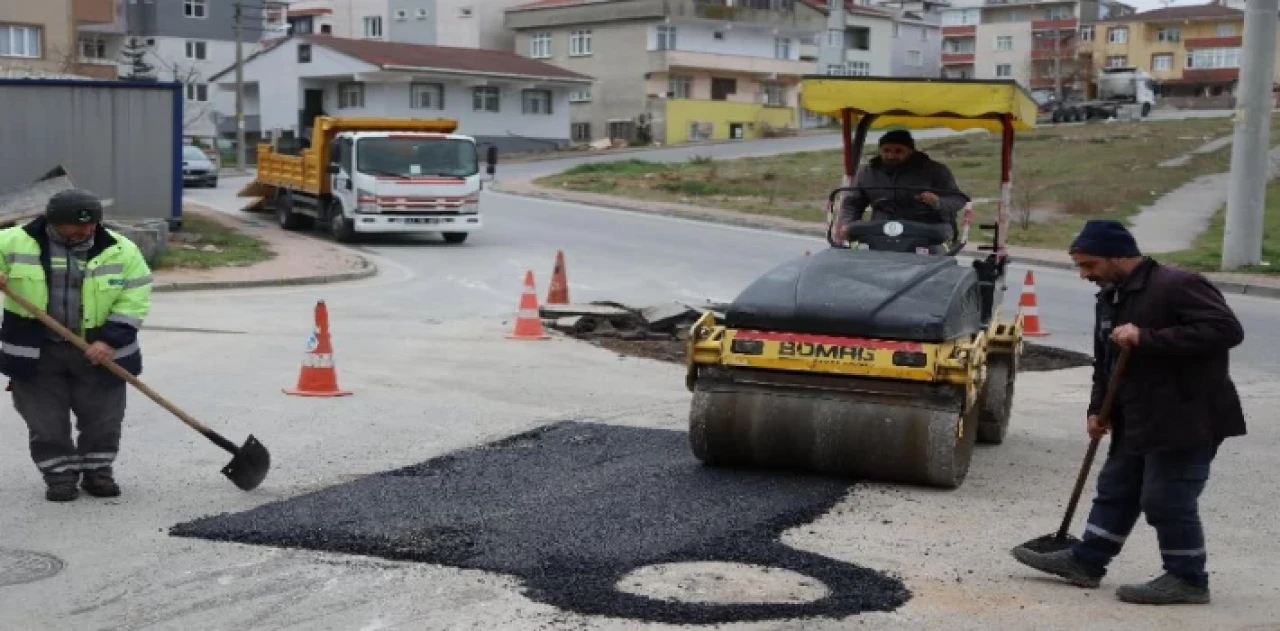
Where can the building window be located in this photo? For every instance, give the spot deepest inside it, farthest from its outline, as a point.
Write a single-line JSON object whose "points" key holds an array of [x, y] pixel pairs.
{"points": [[782, 48], [774, 94], [1163, 61], [666, 37], [858, 38], [1171, 34], [198, 92], [580, 43], [195, 8], [485, 99], [835, 37], [1117, 61], [540, 46], [1204, 58], [953, 46], [196, 49], [304, 53], [401, 15], [536, 102], [1086, 33], [581, 132], [915, 58], [1118, 35], [350, 95], [580, 96], [1004, 42], [91, 46], [20, 41], [373, 26], [679, 87], [1057, 13], [1004, 70], [1226, 30], [961, 17], [426, 96]]}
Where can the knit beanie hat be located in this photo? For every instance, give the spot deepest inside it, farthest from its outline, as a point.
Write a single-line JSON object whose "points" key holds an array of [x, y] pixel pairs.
{"points": [[73, 206], [898, 137], [1106, 238]]}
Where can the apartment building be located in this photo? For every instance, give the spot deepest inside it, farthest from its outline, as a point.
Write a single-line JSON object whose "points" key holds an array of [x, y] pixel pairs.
{"points": [[1192, 51], [858, 42], [1035, 42], [674, 71], [43, 38], [458, 23]]}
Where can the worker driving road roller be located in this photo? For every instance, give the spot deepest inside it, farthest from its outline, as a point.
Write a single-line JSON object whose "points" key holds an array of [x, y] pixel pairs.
{"points": [[878, 363], [903, 183]]}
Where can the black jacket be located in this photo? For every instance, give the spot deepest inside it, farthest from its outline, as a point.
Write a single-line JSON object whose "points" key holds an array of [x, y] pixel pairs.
{"points": [[1177, 391]]}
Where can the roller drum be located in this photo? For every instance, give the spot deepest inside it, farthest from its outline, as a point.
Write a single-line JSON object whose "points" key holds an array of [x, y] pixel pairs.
{"points": [[865, 435]]}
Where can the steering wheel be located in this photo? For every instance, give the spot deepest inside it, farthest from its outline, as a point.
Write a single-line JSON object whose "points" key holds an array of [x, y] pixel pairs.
{"points": [[833, 213]]}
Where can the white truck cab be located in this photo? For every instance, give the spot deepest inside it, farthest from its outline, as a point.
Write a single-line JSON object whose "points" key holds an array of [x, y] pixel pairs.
{"points": [[406, 182]]}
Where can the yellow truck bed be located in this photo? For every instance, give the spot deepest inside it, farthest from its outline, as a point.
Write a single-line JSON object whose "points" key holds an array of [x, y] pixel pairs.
{"points": [[308, 172]]}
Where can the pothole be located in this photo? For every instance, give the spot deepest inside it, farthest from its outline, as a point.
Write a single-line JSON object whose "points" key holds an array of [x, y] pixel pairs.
{"points": [[24, 566], [722, 584]]}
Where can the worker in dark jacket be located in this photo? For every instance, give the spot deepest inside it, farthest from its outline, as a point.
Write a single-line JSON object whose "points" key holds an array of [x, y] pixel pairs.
{"points": [[915, 186], [1175, 405]]}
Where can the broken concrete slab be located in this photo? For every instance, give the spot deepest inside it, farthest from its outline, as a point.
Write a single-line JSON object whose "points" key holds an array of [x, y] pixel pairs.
{"points": [[667, 316], [595, 310]]}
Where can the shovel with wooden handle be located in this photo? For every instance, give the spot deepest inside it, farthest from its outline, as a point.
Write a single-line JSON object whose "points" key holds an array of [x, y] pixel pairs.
{"points": [[1061, 540], [250, 462]]}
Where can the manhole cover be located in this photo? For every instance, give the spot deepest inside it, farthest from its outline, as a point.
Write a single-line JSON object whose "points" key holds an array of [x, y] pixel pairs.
{"points": [[23, 566]]}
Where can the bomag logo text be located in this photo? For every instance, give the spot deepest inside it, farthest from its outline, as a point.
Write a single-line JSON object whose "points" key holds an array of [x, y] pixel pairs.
{"points": [[826, 351]]}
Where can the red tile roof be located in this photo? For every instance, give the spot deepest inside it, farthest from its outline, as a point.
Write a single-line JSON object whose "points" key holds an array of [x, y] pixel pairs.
{"points": [[1173, 14]]}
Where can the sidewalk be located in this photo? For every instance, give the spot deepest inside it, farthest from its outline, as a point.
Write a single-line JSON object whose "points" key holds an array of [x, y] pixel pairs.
{"points": [[298, 260], [1246, 284]]}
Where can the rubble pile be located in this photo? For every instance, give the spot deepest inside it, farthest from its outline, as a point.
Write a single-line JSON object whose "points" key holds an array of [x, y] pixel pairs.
{"points": [[661, 332]]}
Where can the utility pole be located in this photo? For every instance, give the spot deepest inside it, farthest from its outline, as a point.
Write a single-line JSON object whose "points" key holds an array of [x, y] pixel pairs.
{"points": [[241, 154], [1250, 148]]}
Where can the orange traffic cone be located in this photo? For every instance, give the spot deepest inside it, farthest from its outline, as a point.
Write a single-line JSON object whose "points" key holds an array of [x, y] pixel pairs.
{"points": [[1029, 308], [318, 378], [558, 294], [528, 320]]}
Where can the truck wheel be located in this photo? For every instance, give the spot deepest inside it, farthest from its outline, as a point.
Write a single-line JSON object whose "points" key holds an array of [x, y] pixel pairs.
{"points": [[342, 229], [455, 237], [1146, 110], [285, 216]]}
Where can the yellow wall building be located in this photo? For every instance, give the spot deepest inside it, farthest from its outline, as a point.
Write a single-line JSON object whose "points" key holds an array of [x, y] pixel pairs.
{"points": [[1191, 51]]}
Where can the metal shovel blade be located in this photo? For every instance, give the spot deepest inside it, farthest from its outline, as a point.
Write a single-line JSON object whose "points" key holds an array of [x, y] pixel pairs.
{"points": [[1050, 543], [249, 466]]}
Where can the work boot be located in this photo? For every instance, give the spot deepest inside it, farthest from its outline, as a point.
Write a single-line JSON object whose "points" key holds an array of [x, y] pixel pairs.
{"points": [[1061, 563], [100, 485], [1165, 590], [63, 490]]}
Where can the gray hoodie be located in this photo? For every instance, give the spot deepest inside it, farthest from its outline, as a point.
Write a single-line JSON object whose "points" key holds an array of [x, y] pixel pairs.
{"points": [[920, 171]]}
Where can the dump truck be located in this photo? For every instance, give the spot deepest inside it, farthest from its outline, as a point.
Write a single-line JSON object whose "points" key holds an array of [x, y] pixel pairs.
{"points": [[375, 176], [1118, 88]]}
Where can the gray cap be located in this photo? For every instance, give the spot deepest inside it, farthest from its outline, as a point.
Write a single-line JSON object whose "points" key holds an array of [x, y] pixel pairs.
{"points": [[73, 206]]}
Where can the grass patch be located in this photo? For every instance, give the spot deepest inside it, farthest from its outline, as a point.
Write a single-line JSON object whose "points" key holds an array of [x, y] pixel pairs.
{"points": [[1205, 254], [1062, 175], [204, 243]]}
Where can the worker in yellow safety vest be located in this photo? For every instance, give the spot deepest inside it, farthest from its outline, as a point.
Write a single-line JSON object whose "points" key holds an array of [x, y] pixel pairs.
{"points": [[95, 282]]}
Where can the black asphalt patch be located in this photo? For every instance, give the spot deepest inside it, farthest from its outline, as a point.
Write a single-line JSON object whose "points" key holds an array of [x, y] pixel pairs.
{"points": [[570, 509]]}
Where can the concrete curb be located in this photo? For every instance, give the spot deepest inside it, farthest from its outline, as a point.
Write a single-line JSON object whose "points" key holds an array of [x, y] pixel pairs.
{"points": [[297, 281], [589, 153], [748, 221]]}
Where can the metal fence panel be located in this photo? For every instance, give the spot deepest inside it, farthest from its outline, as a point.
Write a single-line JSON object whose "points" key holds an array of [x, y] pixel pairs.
{"points": [[119, 139]]}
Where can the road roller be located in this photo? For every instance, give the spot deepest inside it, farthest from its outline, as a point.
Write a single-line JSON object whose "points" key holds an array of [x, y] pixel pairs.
{"points": [[885, 357]]}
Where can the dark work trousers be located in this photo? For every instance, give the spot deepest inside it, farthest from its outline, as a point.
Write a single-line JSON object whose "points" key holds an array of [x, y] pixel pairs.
{"points": [[65, 382], [1164, 486]]}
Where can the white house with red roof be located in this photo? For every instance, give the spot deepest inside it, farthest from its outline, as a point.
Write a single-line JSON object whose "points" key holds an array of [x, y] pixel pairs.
{"points": [[499, 97]]}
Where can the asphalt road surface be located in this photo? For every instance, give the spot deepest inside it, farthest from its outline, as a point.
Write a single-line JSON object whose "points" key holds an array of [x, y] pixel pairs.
{"points": [[422, 346]]}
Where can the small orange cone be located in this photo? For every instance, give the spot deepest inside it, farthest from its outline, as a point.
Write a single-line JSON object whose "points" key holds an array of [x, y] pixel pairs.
{"points": [[1029, 308], [318, 378], [528, 320], [558, 294]]}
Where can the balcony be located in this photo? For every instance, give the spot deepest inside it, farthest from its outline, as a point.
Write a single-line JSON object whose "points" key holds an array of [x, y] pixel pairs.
{"points": [[957, 59], [1211, 75], [959, 31], [93, 11], [758, 12], [1192, 43], [1065, 52], [1066, 24], [672, 60]]}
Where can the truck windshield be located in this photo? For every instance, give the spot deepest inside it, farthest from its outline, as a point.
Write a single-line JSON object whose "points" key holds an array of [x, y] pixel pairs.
{"points": [[408, 157]]}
